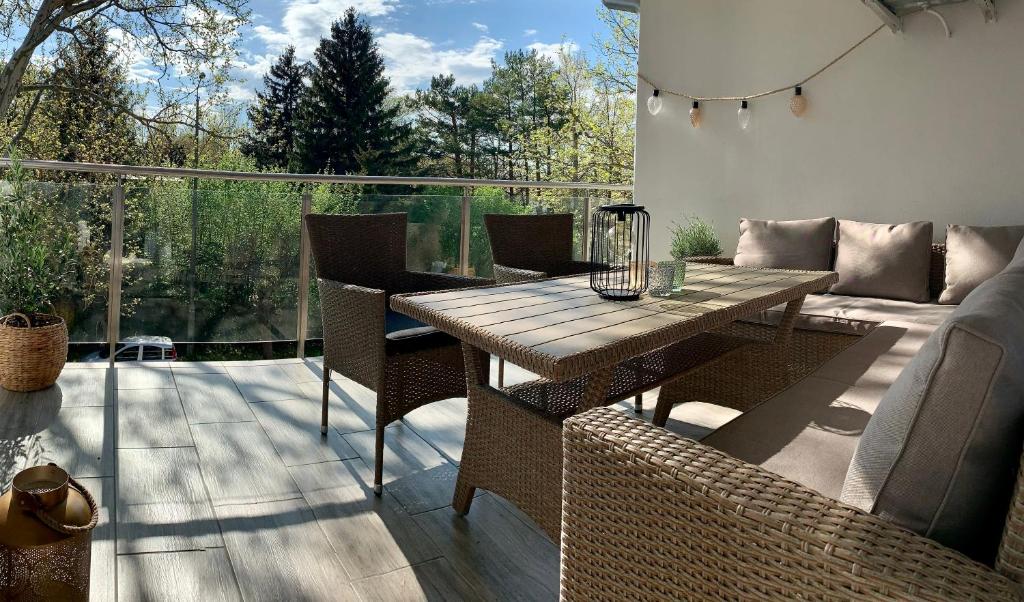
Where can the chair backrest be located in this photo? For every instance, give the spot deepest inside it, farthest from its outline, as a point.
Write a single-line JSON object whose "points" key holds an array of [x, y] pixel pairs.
{"points": [[365, 250], [531, 242]]}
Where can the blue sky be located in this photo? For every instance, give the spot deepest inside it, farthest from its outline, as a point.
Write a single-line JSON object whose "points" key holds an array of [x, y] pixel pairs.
{"points": [[419, 38]]}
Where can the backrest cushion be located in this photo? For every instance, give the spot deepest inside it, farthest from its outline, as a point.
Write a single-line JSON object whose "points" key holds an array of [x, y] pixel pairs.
{"points": [[891, 261], [974, 254], [797, 245], [940, 454]]}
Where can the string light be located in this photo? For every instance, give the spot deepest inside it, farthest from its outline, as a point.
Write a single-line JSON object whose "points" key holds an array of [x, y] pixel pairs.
{"points": [[695, 116], [743, 115], [798, 104], [654, 103]]}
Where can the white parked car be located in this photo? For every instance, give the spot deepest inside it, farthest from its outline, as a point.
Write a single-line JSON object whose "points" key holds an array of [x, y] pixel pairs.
{"points": [[138, 349]]}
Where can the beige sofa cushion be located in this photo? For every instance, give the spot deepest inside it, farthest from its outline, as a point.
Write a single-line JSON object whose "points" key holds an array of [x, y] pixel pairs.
{"points": [[884, 260], [809, 432], [974, 254], [844, 314], [795, 245], [940, 454]]}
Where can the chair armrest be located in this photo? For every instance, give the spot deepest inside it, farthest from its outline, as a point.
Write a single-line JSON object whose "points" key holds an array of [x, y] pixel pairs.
{"points": [[353, 319], [710, 259], [648, 514], [420, 282], [506, 275]]}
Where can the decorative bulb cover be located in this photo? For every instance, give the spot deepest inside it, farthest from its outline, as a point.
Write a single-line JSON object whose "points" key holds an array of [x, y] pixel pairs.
{"points": [[743, 116], [654, 104], [695, 116], [798, 105]]}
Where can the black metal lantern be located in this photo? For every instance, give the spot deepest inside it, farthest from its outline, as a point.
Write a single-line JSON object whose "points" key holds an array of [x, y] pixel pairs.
{"points": [[619, 251]]}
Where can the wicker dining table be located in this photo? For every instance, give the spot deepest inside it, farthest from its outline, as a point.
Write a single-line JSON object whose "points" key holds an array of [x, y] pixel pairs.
{"points": [[587, 351]]}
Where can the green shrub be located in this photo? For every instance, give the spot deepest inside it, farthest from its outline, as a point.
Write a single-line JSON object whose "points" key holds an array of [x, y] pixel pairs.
{"points": [[37, 246], [697, 238]]}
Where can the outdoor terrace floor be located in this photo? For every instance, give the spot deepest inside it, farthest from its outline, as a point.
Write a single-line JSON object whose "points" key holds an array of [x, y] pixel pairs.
{"points": [[215, 485]]}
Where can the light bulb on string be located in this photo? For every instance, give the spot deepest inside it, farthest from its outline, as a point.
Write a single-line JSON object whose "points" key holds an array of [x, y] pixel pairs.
{"points": [[695, 116], [798, 104], [743, 115], [654, 103]]}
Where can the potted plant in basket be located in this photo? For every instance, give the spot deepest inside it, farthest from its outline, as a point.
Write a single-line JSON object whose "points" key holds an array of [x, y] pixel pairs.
{"points": [[36, 266], [695, 240]]}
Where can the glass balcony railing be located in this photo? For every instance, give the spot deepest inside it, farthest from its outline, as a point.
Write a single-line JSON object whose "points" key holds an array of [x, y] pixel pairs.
{"points": [[219, 258]]}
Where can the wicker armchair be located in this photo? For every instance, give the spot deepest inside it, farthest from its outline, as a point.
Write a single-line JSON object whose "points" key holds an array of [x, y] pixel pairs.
{"points": [[530, 247], [360, 263], [712, 527]]}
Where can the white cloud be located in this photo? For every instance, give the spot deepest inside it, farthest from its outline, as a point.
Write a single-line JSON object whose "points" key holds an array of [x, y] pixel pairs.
{"points": [[129, 51], [529, 33], [481, 27], [552, 51], [306, 21], [412, 60]]}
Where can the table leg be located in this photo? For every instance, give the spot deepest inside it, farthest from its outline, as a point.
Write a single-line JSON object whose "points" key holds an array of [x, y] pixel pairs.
{"points": [[638, 404], [784, 331], [477, 375]]}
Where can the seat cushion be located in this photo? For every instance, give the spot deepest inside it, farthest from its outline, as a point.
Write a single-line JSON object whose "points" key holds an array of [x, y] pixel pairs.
{"points": [[940, 454], [796, 245], [407, 335], [809, 432], [844, 314], [884, 260], [974, 254]]}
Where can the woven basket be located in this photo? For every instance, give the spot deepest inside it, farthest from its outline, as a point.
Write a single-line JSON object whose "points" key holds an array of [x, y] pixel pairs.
{"points": [[31, 358]]}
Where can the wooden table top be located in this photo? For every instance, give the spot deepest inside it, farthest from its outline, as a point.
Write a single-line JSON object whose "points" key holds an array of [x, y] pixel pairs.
{"points": [[560, 329]]}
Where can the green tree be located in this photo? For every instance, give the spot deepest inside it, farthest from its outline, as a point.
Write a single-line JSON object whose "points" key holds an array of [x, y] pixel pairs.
{"points": [[176, 37], [449, 136], [347, 123], [270, 140]]}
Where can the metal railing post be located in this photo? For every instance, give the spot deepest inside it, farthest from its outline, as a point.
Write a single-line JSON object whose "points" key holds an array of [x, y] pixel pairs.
{"points": [[585, 253], [116, 256], [303, 317], [464, 231]]}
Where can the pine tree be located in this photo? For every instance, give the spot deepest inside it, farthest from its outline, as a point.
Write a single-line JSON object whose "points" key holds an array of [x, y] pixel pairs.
{"points": [[347, 122], [274, 116], [76, 120]]}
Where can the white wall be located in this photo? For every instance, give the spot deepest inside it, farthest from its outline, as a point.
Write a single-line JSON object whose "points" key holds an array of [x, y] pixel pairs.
{"points": [[911, 126]]}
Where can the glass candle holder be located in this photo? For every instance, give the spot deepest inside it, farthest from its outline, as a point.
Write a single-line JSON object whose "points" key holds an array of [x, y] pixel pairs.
{"points": [[662, 279]]}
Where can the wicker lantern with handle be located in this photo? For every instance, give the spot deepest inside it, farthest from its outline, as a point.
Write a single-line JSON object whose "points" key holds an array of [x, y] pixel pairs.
{"points": [[619, 250], [46, 523]]}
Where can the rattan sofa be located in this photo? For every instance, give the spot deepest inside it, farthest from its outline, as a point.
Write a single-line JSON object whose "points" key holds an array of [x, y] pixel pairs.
{"points": [[753, 510], [360, 262]]}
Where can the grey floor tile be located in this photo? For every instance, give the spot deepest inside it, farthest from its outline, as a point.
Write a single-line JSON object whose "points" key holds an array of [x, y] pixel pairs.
{"points": [[84, 388], [293, 426], [162, 504], [198, 368], [372, 535], [442, 424], [304, 372], [151, 418], [240, 465], [279, 552], [351, 407], [431, 581], [103, 555], [211, 398], [494, 551], [264, 383], [200, 576], [418, 477], [144, 377], [79, 440]]}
